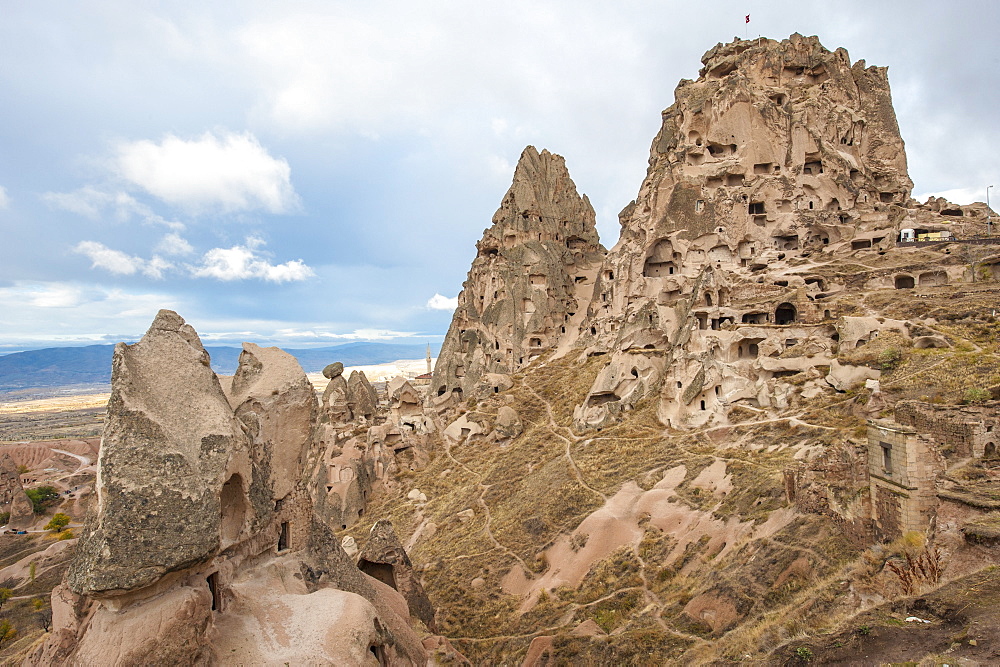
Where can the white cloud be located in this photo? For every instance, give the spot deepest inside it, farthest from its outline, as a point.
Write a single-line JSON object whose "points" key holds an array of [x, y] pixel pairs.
{"points": [[242, 261], [95, 203], [53, 313], [4, 199], [174, 244], [439, 302], [156, 266], [103, 257], [231, 171], [357, 334], [54, 295]]}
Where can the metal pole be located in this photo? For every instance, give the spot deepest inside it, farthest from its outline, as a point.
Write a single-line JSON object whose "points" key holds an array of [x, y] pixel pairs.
{"points": [[989, 220]]}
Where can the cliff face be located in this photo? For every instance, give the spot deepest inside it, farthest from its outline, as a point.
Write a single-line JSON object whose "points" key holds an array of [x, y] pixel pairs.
{"points": [[204, 546], [529, 284], [780, 161]]}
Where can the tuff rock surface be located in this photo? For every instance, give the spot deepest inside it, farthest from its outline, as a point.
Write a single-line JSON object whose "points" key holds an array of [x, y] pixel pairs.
{"points": [[13, 499], [203, 547], [529, 284]]}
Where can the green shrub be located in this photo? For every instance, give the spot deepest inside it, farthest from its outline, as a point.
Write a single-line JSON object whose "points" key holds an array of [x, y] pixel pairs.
{"points": [[804, 653], [975, 395], [41, 497], [889, 358]]}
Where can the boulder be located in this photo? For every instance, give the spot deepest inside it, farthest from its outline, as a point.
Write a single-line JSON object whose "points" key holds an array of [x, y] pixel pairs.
{"points": [[508, 424], [843, 377]]}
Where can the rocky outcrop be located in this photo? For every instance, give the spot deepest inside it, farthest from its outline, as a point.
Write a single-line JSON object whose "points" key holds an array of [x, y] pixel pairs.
{"points": [[779, 160], [384, 558], [361, 397], [167, 413], [204, 525], [335, 395], [529, 284], [13, 499]]}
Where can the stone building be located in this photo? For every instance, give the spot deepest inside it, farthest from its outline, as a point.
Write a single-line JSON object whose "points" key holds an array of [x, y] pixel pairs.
{"points": [[902, 468]]}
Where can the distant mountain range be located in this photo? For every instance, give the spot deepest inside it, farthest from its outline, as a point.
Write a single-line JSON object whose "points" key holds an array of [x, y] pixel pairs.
{"points": [[64, 366]]}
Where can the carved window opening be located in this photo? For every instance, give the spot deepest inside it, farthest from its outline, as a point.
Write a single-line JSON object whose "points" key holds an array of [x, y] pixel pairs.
{"points": [[699, 204], [815, 168], [381, 571], [283, 537], [213, 588], [886, 458], [234, 509], [703, 405]]}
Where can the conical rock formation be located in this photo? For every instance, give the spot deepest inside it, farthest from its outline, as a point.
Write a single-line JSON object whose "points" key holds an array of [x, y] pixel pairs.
{"points": [[529, 284]]}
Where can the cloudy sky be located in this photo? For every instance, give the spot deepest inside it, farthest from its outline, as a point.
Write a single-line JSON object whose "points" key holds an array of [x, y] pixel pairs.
{"points": [[301, 173]]}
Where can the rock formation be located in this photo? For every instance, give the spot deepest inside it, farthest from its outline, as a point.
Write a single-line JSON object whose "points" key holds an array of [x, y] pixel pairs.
{"points": [[204, 525], [780, 158], [335, 395], [384, 558], [13, 499], [529, 284], [361, 397]]}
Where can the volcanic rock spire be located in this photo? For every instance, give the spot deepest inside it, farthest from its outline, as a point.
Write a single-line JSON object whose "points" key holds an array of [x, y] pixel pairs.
{"points": [[530, 281]]}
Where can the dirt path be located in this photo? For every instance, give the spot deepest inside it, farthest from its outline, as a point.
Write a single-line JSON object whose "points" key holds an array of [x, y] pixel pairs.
{"points": [[570, 441]]}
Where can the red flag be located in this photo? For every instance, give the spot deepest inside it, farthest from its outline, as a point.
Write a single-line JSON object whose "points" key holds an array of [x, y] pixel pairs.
{"points": [[748, 18]]}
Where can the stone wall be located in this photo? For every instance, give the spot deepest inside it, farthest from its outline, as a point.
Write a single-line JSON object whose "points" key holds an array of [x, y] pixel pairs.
{"points": [[903, 468], [959, 431]]}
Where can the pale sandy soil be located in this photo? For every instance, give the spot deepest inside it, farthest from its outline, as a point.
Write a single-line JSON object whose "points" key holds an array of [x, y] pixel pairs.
{"points": [[56, 404]]}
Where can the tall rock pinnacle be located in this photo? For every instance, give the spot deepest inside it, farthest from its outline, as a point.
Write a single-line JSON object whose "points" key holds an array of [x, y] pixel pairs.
{"points": [[781, 155], [530, 282]]}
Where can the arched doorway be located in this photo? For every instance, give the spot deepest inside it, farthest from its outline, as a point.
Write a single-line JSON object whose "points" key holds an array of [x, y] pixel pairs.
{"points": [[784, 314], [234, 509]]}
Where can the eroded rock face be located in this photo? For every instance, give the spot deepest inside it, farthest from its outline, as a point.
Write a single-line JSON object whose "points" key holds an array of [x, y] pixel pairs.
{"points": [[384, 558], [170, 445], [204, 548], [13, 499], [272, 397], [780, 152], [361, 396], [528, 286]]}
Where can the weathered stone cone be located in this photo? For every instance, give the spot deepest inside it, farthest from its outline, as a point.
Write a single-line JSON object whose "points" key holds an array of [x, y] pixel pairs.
{"points": [[167, 413], [529, 284], [384, 558], [12, 495], [204, 547]]}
